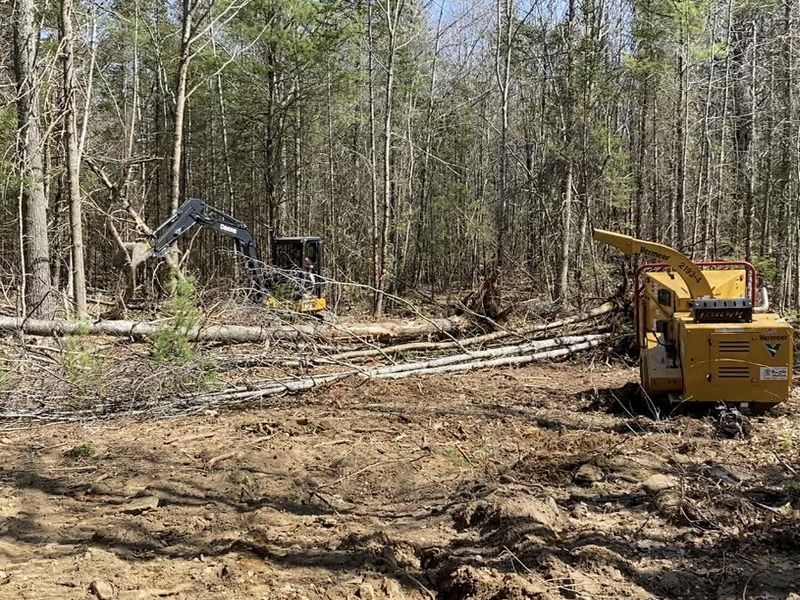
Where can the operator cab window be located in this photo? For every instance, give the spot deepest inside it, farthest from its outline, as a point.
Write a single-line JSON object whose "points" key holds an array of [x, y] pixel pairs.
{"points": [[288, 256], [311, 252]]}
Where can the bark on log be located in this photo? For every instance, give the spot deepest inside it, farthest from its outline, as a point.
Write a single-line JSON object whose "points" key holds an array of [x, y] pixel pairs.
{"points": [[504, 361], [183, 405], [318, 359], [530, 348], [239, 334]]}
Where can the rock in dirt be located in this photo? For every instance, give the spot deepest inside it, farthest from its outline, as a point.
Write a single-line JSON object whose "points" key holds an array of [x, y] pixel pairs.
{"points": [[725, 475], [633, 468], [733, 424], [366, 592], [668, 504], [487, 584], [270, 517], [681, 460], [505, 519], [102, 589], [392, 590], [588, 474], [658, 482], [138, 506], [499, 512], [580, 511]]}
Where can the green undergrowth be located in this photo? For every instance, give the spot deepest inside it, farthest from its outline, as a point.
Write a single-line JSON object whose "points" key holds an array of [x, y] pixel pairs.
{"points": [[171, 343], [173, 350], [80, 451], [83, 362]]}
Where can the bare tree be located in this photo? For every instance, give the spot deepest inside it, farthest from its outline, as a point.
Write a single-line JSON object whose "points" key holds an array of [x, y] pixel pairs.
{"points": [[184, 58], [373, 161], [568, 117], [195, 24], [394, 11], [73, 161], [502, 68], [35, 247]]}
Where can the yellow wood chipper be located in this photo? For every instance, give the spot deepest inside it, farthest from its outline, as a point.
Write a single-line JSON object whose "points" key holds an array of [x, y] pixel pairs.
{"points": [[701, 334]]}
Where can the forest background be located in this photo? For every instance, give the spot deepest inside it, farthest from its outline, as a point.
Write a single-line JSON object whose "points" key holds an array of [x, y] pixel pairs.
{"points": [[424, 140]]}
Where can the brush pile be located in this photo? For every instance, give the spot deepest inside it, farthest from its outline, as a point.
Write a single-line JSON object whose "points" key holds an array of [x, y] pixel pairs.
{"points": [[63, 383]]}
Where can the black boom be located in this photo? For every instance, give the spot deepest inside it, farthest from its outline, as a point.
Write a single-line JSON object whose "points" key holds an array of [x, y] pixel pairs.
{"points": [[196, 212]]}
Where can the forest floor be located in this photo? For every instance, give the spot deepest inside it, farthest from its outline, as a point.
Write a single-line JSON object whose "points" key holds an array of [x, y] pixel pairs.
{"points": [[518, 483]]}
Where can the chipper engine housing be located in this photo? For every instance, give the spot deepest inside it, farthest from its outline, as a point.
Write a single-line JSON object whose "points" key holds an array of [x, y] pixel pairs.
{"points": [[702, 338]]}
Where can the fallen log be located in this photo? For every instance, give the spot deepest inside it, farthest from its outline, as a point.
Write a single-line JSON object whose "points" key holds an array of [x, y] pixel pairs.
{"points": [[192, 404], [529, 349], [301, 384], [505, 361], [241, 334], [307, 362], [603, 309]]}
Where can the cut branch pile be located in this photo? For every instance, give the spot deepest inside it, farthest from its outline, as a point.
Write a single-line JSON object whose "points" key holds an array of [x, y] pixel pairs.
{"points": [[380, 331], [313, 364], [495, 357], [477, 340]]}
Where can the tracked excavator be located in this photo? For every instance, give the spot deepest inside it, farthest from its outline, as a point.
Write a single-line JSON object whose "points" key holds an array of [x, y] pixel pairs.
{"points": [[701, 334], [295, 275]]}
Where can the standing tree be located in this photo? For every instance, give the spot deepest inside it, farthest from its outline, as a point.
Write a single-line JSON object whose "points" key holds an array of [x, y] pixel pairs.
{"points": [[73, 161], [37, 285]]}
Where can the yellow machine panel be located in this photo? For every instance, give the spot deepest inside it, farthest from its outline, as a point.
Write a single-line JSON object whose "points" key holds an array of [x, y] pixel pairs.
{"points": [[741, 362], [726, 284], [304, 305], [660, 372]]}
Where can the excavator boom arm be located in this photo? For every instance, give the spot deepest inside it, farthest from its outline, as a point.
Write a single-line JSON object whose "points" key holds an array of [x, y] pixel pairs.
{"points": [[690, 272], [196, 212]]}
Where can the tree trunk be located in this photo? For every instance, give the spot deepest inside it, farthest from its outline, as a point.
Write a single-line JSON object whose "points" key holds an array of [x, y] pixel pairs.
{"points": [[373, 163], [563, 277], [567, 137], [505, 22], [35, 246], [393, 13], [73, 163], [785, 215], [180, 105], [682, 127], [242, 334]]}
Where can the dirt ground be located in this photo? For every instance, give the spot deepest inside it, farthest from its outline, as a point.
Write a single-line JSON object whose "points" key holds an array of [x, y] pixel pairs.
{"points": [[511, 484]]}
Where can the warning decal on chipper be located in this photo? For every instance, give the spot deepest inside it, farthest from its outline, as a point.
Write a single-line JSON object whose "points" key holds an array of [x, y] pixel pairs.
{"points": [[774, 373]]}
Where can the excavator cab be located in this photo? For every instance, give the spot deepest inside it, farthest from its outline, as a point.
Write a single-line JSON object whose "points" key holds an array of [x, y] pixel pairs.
{"points": [[299, 255], [297, 265]]}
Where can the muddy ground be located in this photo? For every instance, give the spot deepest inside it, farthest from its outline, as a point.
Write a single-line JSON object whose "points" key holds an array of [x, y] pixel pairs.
{"points": [[518, 483]]}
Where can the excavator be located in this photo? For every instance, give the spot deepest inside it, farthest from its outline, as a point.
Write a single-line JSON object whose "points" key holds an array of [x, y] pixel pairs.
{"points": [[702, 336], [295, 278]]}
